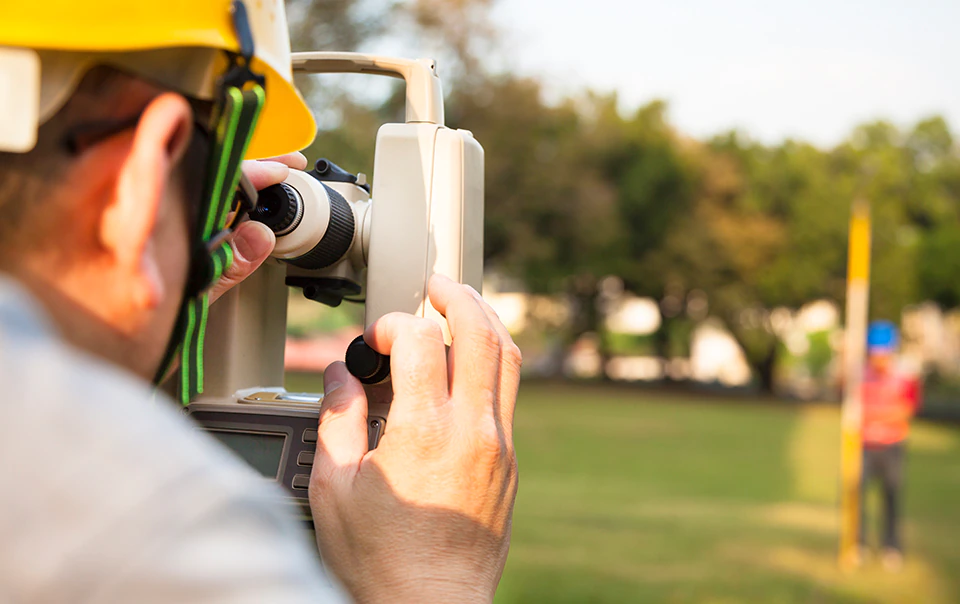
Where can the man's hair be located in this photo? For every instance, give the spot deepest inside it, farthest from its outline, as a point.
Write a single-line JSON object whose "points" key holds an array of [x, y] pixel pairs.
{"points": [[29, 181]]}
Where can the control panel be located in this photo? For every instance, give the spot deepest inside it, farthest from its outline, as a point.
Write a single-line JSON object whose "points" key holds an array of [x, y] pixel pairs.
{"points": [[276, 434]]}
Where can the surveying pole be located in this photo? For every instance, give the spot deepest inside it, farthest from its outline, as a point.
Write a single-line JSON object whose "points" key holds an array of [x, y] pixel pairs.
{"points": [[854, 349]]}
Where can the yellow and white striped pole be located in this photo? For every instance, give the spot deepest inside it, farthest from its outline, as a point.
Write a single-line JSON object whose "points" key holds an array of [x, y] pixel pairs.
{"points": [[854, 349]]}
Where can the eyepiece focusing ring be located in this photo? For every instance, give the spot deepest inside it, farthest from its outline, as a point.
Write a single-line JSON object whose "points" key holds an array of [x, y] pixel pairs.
{"points": [[280, 207]]}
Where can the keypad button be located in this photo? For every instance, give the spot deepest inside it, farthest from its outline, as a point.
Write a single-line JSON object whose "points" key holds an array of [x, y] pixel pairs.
{"points": [[305, 458], [301, 481], [310, 436]]}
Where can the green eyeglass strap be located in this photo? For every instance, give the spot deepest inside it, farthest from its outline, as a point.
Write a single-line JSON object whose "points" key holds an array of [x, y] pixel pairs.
{"points": [[237, 120]]}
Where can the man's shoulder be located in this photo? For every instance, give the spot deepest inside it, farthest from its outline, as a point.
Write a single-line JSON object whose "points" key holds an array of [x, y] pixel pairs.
{"points": [[67, 414], [99, 474]]}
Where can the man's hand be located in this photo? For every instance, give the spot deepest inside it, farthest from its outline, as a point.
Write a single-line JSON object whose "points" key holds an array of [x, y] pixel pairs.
{"points": [[426, 516], [252, 241]]}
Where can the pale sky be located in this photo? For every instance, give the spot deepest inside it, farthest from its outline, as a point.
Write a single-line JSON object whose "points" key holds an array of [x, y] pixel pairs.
{"points": [[808, 69]]}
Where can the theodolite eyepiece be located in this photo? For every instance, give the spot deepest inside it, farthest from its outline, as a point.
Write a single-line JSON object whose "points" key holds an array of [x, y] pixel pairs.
{"points": [[315, 226], [279, 207]]}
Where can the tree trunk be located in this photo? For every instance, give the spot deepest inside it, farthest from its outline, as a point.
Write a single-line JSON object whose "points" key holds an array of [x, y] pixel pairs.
{"points": [[764, 368], [761, 354], [588, 318], [661, 339]]}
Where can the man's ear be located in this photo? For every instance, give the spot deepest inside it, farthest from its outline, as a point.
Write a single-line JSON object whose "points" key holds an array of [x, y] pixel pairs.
{"points": [[127, 222]]}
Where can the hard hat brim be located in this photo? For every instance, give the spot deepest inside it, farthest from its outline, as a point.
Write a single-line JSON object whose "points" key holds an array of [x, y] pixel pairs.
{"points": [[286, 123], [115, 26]]}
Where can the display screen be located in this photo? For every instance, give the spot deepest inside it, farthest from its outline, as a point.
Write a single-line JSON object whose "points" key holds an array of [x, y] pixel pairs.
{"points": [[262, 451]]}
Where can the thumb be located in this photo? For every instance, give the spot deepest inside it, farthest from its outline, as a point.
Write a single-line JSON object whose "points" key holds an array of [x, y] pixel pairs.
{"points": [[252, 243], [342, 435]]}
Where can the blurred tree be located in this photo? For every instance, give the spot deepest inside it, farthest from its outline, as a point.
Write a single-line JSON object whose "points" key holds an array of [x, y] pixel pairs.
{"points": [[769, 227], [336, 24], [936, 171], [463, 32], [643, 157], [551, 216], [782, 236], [578, 191], [938, 266], [458, 30]]}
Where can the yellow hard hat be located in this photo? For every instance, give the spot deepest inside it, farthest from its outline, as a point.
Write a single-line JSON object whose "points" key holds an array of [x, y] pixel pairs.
{"points": [[163, 39]]}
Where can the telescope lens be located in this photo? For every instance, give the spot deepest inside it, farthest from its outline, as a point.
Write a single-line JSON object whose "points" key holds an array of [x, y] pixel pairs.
{"points": [[280, 208]]}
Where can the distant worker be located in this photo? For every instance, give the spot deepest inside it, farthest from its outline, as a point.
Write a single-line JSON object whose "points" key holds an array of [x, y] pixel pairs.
{"points": [[890, 399]]}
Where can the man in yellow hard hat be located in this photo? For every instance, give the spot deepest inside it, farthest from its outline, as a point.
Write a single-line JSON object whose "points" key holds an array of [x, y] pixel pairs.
{"points": [[123, 130]]}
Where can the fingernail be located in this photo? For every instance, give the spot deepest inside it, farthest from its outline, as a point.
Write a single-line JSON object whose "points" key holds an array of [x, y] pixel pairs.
{"points": [[253, 241], [333, 377], [300, 160], [277, 171]]}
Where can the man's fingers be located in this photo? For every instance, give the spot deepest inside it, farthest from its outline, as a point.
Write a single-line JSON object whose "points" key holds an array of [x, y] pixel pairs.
{"points": [[476, 343], [418, 357], [342, 434], [511, 360], [252, 243], [295, 160], [263, 173]]}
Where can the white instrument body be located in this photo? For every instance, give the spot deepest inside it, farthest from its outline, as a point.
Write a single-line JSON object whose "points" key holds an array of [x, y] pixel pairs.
{"points": [[425, 217]]}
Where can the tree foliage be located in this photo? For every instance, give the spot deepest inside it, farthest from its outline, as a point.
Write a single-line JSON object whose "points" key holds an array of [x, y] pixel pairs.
{"points": [[578, 190]]}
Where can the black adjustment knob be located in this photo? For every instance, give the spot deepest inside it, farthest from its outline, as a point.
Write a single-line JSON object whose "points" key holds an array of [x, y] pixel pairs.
{"points": [[280, 208], [327, 171], [366, 364]]}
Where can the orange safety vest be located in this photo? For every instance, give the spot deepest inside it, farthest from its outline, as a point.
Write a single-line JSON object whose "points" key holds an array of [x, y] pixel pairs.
{"points": [[889, 401]]}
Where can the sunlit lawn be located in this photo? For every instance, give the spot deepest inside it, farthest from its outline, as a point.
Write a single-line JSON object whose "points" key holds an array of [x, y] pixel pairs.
{"points": [[629, 496]]}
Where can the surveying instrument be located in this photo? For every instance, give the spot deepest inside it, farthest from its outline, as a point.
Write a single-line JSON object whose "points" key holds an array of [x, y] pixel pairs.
{"points": [[338, 239]]}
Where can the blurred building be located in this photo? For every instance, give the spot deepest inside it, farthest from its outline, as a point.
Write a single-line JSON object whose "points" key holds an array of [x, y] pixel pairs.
{"points": [[715, 356], [807, 366], [512, 307], [931, 339], [634, 315]]}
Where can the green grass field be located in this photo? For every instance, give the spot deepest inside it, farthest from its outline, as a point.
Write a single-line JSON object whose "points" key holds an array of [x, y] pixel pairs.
{"points": [[628, 496]]}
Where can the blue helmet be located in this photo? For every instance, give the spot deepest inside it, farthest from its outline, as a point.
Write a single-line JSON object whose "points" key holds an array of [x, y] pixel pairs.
{"points": [[882, 336]]}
